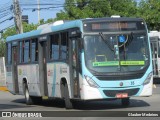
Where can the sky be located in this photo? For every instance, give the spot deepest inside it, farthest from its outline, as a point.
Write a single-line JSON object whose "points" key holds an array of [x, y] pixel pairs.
{"points": [[33, 16]]}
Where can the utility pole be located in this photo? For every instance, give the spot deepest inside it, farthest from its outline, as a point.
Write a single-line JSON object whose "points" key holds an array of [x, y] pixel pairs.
{"points": [[38, 3], [17, 16]]}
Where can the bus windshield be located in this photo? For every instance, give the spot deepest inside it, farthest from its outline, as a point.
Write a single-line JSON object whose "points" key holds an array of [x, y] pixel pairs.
{"points": [[116, 52]]}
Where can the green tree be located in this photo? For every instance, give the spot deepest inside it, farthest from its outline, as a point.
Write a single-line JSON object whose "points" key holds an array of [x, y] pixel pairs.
{"points": [[77, 9], [150, 11], [29, 27], [42, 21], [2, 48], [49, 20], [124, 8], [11, 32]]}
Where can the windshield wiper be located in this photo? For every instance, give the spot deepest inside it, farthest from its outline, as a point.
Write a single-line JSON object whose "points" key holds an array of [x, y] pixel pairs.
{"points": [[130, 38], [106, 41]]}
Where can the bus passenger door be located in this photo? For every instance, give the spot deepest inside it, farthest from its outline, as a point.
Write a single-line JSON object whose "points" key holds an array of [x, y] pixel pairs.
{"points": [[14, 68], [154, 48], [74, 65], [43, 68]]}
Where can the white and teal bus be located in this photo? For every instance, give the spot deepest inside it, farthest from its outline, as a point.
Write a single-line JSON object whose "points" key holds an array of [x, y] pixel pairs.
{"points": [[87, 59]]}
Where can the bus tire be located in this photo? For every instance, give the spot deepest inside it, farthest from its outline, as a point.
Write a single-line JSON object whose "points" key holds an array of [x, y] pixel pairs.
{"points": [[68, 102], [31, 99], [125, 102], [26, 94], [36, 100]]}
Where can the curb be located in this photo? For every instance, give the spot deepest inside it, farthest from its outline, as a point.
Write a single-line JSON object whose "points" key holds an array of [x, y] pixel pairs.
{"points": [[3, 88]]}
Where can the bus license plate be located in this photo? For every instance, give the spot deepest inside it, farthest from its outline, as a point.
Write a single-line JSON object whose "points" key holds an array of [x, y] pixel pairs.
{"points": [[122, 95]]}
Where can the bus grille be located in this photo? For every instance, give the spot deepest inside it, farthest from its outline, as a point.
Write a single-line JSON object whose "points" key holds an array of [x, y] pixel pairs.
{"points": [[119, 76], [112, 93]]}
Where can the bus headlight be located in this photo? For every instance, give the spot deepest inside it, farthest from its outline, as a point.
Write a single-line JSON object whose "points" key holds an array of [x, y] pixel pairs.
{"points": [[91, 82], [148, 79]]}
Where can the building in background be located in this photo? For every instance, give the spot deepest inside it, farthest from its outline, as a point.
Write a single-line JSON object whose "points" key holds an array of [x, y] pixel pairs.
{"points": [[2, 74]]}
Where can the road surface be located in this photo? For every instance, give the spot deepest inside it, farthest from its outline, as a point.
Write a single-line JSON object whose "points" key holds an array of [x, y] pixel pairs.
{"points": [[9, 102]]}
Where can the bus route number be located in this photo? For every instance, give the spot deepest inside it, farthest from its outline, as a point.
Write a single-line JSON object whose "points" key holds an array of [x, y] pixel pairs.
{"points": [[132, 83]]}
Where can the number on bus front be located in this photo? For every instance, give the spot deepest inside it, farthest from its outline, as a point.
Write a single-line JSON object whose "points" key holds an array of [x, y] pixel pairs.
{"points": [[132, 83]]}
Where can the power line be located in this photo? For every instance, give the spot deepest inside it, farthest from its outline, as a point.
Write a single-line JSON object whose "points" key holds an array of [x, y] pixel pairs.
{"points": [[6, 9], [2, 30], [10, 18], [4, 15], [5, 6], [41, 8], [34, 4]]}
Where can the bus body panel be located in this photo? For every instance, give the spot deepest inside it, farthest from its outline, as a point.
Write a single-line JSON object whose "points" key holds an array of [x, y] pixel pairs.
{"points": [[9, 79], [55, 72], [31, 74], [90, 93], [147, 89]]}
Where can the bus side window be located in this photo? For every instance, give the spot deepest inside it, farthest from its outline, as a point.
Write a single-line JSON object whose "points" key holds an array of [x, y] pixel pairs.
{"points": [[27, 51], [21, 51], [34, 49], [9, 53], [54, 47], [64, 45]]}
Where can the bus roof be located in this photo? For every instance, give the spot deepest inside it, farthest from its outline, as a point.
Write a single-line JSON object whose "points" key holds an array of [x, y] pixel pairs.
{"points": [[49, 29], [67, 25], [113, 19]]}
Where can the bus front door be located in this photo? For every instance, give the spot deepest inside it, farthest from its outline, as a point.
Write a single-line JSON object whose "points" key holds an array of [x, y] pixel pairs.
{"points": [[43, 68], [14, 68], [74, 59]]}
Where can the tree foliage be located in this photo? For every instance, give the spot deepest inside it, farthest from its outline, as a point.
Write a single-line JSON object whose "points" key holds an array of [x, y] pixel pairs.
{"points": [[149, 10], [11, 32], [77, 9], [2, 48]]}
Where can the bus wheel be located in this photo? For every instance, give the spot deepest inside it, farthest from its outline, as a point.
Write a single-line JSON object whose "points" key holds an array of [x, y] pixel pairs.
{"points": [[36, 100], [27, 96], [125, 101], [68, 102]]}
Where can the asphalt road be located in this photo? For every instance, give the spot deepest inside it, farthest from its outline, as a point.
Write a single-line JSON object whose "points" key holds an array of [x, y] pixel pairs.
{"points": [[9, 102]]}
